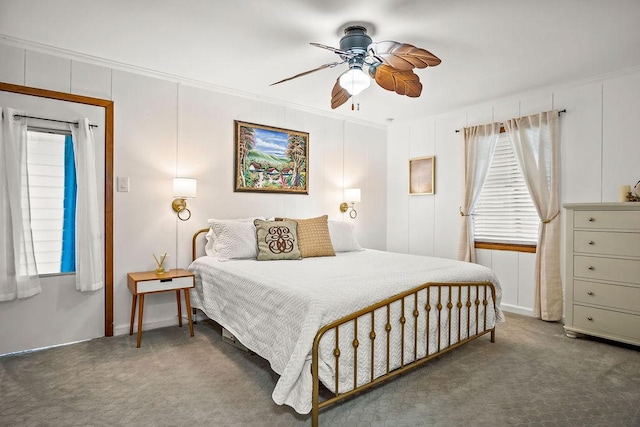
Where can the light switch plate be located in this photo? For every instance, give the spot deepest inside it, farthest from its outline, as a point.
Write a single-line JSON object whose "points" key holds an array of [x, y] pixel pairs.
{"points": [[123, 184]]}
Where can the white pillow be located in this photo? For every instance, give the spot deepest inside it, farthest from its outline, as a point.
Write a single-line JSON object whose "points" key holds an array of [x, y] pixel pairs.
{"points": [[234, 240], [210, 247], [343, 238]]}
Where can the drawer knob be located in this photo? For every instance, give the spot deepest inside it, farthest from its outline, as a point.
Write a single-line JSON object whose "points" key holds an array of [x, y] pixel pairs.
{"points": [[590, 319], [591, 242], [591, 267], [590, 293], [591, 219]]}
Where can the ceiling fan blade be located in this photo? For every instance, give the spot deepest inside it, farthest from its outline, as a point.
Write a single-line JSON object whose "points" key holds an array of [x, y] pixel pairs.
{"points": [[332, 49], [339, 95], [403, 56], [322, 67], [403, 82]]}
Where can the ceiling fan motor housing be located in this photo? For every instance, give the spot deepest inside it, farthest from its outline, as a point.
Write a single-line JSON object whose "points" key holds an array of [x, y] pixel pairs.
{"points": [[355, 40]]}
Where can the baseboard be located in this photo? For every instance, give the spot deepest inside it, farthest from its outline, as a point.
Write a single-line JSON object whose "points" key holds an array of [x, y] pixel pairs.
{"points": [[517, 309], [146, 325]]}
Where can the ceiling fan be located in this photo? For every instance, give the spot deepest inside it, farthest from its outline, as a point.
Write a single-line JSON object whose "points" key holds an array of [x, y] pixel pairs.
{"points": [[389, 63]]}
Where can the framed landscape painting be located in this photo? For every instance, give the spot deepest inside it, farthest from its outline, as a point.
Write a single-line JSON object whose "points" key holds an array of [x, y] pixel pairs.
{"points": [[422, 175], [271, 160]]}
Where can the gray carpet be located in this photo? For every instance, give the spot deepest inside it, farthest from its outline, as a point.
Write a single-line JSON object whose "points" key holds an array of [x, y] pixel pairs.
{"points": [[532, 375]]}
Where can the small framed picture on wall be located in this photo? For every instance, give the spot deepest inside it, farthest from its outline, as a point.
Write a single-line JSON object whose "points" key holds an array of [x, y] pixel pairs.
{"points": [[422, 175]]}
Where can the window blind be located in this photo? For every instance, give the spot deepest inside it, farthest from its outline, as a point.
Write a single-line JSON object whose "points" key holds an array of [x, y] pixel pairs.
{"points": [[505, 212], [45, 170]]}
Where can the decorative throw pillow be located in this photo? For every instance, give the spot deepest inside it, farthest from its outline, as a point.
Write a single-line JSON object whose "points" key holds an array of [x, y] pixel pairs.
{"points": [[234, 240], [277, 240], [313, 237], [342, 237]]}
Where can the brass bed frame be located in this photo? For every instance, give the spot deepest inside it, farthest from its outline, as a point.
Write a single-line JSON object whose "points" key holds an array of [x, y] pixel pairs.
{"points": [[409, 359]]}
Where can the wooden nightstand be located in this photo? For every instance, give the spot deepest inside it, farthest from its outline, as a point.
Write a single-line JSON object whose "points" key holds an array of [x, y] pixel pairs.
{"points": [[148, 282]]}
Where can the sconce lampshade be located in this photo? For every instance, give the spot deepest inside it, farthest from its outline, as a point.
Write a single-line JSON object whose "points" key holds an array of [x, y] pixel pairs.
{"points": [[184, 188], [352, 195]]}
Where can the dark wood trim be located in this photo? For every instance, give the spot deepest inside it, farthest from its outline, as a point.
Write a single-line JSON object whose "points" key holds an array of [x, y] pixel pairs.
{"points": [[108, 181], [506, 247]]}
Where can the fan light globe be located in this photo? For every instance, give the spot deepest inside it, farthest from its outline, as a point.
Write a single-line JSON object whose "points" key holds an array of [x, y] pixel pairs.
{"points": [[354, 81]]}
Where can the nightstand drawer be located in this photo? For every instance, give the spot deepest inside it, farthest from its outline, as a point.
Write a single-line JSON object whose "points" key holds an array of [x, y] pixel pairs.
{"points": [[604, 294], [618, 270], [615, 220], [164, 284], [607, 242], [607, 322]]}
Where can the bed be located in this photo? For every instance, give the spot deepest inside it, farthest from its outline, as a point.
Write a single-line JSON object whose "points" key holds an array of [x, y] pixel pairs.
{"points": [[348, 321]]}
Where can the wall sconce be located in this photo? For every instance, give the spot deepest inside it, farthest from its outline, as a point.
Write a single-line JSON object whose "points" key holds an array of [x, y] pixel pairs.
{"points": [[183, 188], [353, 196]]}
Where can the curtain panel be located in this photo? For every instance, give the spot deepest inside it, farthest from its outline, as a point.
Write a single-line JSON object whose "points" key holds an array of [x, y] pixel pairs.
{"points": [[89, 256], [479, 146], [536, 143], [18, 272]]}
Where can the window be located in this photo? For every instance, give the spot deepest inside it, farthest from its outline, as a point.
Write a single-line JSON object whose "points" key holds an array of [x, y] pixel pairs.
{"points": [[505, 213], [52, 196]]}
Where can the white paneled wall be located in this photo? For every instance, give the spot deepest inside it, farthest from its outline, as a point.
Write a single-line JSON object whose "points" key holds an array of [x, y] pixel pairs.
{"points": [[421, 144], [599, 149], [164, 128], [449, 178], [397, 191], [621, 147], [59, 314]]}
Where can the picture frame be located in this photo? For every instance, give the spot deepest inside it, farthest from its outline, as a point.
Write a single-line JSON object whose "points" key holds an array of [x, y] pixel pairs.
{"points": [[269, 159], [422, 175]]}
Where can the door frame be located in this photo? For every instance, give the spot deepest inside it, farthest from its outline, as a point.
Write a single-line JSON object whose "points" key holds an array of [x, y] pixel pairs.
{"points": [[108, 181]]}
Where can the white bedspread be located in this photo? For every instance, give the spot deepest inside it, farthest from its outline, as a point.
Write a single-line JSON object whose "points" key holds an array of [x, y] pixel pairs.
{"points": [[275, 308]]}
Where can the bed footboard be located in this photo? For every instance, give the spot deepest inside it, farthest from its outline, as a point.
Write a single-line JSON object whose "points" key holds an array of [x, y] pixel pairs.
{"points": [[403, 332]]}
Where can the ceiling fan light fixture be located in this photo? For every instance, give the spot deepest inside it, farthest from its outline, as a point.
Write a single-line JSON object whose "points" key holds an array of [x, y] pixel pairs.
{"points": [[354, 80]]}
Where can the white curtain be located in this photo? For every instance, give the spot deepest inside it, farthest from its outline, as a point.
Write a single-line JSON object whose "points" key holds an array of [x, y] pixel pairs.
{"points": [[89, 256], [536, 144], [479, 146], [18, 272]]}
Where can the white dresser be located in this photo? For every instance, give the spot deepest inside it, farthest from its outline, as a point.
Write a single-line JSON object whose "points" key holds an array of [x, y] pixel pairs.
{"points": [[602, 275]]}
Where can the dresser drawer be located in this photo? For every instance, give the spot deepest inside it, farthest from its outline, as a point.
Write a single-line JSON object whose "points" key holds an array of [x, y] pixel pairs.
{"points": [[614, 220], [164, 284], [607, 242], [607, 322], [614, 296], [618, 270]]}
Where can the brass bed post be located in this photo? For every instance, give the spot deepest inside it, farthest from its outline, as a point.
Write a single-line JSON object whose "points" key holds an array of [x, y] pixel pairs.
{"points": [[416, 313], [402, 322], [194, 251], [493, 299], [427, 309], [355, 352], [449, 306]]}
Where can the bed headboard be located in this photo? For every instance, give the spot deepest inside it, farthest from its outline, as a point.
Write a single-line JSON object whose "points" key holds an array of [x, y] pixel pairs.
{"points": [[194, 242]]}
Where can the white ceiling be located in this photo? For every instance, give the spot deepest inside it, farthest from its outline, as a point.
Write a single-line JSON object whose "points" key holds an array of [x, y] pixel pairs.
{"points": [[489, 49]]}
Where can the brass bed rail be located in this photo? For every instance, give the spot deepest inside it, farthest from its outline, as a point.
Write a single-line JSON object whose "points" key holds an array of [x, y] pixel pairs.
{"points": [[468, 308]]}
